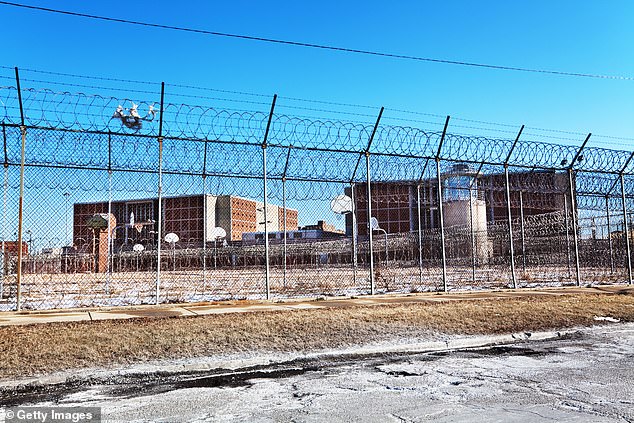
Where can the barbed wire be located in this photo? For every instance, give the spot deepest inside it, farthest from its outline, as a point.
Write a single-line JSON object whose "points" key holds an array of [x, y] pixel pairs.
{"points": [[94, 113]]}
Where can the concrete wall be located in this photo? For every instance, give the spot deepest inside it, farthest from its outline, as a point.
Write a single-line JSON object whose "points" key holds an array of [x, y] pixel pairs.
{"points": [[457, 214]]}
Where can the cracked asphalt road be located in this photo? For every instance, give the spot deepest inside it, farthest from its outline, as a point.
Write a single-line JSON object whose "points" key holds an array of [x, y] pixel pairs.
{"points": [[580, 378]]}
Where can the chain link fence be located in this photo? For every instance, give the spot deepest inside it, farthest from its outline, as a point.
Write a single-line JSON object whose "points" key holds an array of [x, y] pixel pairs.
{"points": [[189, 204]]}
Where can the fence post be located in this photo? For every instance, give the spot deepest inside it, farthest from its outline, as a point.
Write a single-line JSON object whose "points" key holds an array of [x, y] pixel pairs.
{"points": [[21, 199], [267, 280], [420, 238], [368, 180], [626, 229], [567, 234], [510, 226], [573, 209], [607, 213], [288, 156], [284, 223], [440, 210], [573, 205], [522, 233], [160, 199], [354, 235], [204, 261], [508, 207], [369, 207], [204, 178], [110, 229], [443, 251], [4, 210]]}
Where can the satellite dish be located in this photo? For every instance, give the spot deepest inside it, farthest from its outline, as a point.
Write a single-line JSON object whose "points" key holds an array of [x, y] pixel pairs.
{"points": [[172, 238], [341, 204], [138, 248], [374, 223], [218, 232]]}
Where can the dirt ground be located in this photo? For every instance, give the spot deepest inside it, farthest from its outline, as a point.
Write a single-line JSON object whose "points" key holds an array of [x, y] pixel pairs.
{"points": [[40, 349]]}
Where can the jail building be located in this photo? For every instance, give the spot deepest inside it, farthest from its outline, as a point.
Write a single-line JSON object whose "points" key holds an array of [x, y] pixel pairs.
{"points": [[193, 218], [465, 195]]}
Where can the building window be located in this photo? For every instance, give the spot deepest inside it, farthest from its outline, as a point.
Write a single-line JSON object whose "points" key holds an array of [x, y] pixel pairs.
{"points": [[143, 211]]}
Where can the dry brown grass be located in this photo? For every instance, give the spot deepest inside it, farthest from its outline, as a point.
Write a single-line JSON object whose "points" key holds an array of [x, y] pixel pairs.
{"points": [[36, 349]]}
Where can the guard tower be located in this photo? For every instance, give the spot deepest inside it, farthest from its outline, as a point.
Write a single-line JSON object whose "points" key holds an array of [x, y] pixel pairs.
{"points": [[464, 207]]}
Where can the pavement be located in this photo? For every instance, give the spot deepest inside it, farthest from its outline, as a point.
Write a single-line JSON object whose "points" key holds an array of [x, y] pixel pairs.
{"points": [[245, 306], [576, 376]]}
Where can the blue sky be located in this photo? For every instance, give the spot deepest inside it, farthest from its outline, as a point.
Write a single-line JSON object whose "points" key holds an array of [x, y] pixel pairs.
{"points": [[577, 36]]}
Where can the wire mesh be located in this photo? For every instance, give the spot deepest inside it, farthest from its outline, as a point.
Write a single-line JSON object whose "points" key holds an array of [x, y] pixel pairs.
{"points": [[116, 212]]}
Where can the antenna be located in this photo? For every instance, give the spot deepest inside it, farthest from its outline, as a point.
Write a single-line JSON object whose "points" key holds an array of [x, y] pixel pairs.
{"points": [[341, 204]]}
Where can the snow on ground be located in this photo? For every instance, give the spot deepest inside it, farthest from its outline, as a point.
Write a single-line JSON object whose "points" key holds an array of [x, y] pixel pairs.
{"points": [[586, 376]]}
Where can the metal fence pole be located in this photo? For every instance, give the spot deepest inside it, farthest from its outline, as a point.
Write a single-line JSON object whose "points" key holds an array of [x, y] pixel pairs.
{"points": [[267, 284], [510, 227], [21, 199], [573, 207], [522, 232], [205, 211], [607, 213], [442, 227], [354, 235], [508, 207], [420, 238], [160, 198], [160, 220], [368, 181], [267, 280], [369, 193], [440, 209], [288, 156], [284, 223], [4, 211], [110, 229], [627, 230], [567, 235], [573, 204], [204, 178]]}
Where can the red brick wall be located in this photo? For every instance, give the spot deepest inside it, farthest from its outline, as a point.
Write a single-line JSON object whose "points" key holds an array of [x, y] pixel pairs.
{"points": [[184, 217], [243, 217]]}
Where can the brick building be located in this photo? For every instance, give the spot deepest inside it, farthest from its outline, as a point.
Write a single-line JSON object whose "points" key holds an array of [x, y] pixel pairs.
{"points": [[186, 216], [394, 204]]}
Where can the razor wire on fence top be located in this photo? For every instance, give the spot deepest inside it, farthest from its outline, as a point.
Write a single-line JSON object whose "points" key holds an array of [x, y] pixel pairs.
{"points": [[108, 201]]}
